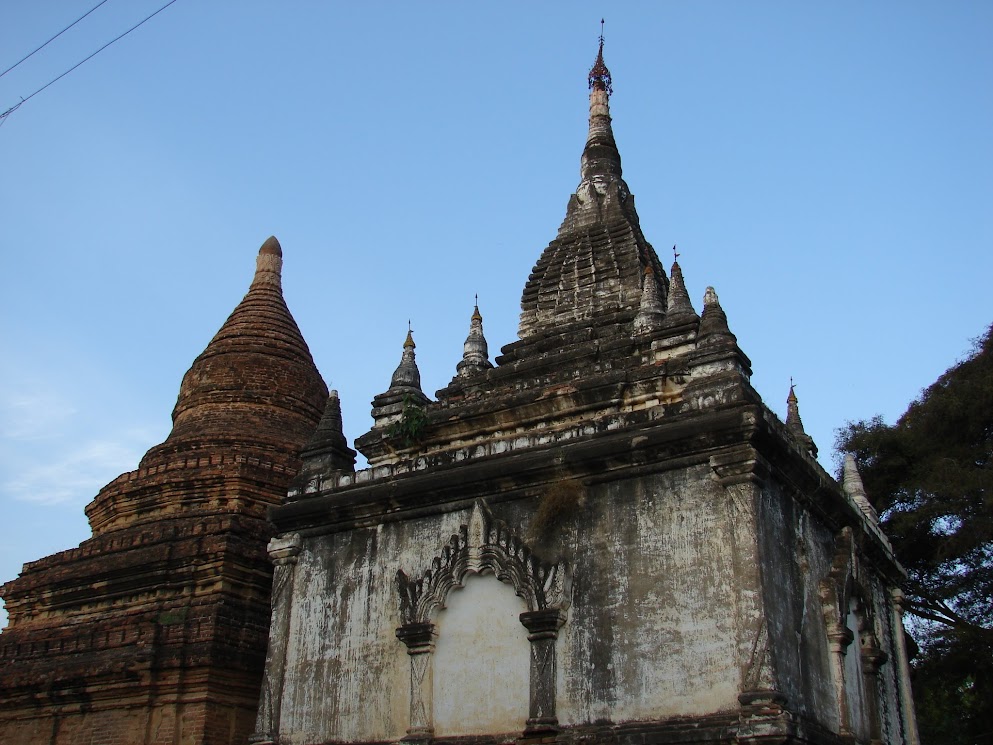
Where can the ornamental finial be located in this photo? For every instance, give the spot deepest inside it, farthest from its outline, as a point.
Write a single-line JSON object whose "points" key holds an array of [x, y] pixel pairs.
{"points": [[599, 74]]}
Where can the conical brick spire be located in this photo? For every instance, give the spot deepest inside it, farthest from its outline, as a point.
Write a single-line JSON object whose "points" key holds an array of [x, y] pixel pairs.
{"points": [[253, 395], [255, 386]]}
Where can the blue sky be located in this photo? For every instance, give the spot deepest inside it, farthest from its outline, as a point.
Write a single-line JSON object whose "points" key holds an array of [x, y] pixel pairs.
{"points": [[827, 167]]}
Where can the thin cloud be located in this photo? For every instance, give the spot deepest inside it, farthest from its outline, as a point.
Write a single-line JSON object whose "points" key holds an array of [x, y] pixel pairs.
{"points": [[33, 415], [78, 474]]}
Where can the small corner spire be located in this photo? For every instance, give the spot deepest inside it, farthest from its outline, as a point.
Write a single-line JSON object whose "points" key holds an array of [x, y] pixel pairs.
{"points": [[793, 422], [679, 309], [328, 443], [854, 488], [407, 375], [714, 321], [475, 351], [652, 309]]}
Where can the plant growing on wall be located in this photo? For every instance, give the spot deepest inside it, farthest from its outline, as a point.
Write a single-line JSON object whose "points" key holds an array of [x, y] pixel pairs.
{"points": [[409, 429]]}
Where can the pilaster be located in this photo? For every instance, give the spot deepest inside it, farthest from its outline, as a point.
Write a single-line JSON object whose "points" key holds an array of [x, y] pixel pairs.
{"points": [[284, 553], [543, 631], [419, 639]]}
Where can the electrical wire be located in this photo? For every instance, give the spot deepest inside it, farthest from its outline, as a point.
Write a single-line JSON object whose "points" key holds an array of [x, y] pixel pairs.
{"points": [[53, 38], [12, 109]]}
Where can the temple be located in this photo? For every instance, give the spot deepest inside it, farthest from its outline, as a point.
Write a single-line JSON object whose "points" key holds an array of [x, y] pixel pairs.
{"points": [[604, 537], [154, 630], [601, 536]]}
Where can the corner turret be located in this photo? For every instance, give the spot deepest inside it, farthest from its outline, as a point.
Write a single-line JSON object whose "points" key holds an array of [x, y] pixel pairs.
{"points": [[795, 425], [475, 351], [328, 448], [404, 390], [852, 483], [714, 322]]}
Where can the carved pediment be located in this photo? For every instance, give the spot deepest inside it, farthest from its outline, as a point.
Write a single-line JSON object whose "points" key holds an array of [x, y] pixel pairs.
{"points": [[486, 544]]}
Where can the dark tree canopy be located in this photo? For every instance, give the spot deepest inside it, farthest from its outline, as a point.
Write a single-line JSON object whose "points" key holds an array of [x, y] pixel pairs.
{"points": [[930, 476]]}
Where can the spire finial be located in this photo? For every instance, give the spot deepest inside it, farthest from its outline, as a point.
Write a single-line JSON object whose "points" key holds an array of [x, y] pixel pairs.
{"points": [[675, 255], [269, 264], [599, 74], [409, 342]]}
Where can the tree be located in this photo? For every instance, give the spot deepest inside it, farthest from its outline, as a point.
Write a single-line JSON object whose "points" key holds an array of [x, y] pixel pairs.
{"points": [[930, 477]]}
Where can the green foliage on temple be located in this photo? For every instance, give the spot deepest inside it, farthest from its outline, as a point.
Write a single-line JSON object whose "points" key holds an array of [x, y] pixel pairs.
{"points": [[408, 430]]}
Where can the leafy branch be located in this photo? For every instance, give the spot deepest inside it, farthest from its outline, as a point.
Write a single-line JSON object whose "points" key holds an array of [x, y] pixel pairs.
{"points": [[410, 428]]}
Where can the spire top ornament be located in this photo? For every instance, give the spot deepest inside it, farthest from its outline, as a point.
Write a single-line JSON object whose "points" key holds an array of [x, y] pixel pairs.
{"points": [[599, 74]]}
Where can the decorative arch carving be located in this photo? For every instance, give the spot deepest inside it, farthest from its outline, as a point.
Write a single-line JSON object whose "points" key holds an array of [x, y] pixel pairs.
{"points": [[485, 544]]}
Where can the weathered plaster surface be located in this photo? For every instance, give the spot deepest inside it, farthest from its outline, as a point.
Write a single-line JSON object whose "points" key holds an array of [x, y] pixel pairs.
{"points": [[347, 675], [650, 633], [481, 660]]}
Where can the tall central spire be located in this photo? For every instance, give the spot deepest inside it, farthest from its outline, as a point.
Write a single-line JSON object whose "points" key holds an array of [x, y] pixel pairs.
{"points": [[600, 157], [592, 273]]}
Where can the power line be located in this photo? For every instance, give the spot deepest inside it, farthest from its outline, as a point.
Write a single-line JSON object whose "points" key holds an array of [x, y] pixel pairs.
{"points": [[12, 109], [53, 38]]}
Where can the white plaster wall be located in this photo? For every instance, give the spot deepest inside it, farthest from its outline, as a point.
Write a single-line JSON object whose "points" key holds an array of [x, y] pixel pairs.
{"points": [[481, 660], [347, 675], [796, 555], [651, 633]]}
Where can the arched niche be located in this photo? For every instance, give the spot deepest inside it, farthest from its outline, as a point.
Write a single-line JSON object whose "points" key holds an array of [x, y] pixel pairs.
{"points": [[481, 660], [485, 545], [849, 617]]}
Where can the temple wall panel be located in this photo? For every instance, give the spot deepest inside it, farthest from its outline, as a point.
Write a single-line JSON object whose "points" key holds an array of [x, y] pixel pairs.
{"points": [[650, 632]]}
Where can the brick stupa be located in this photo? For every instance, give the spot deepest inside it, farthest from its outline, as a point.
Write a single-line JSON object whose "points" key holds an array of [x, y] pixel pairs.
{"points": [[154, 629]]}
